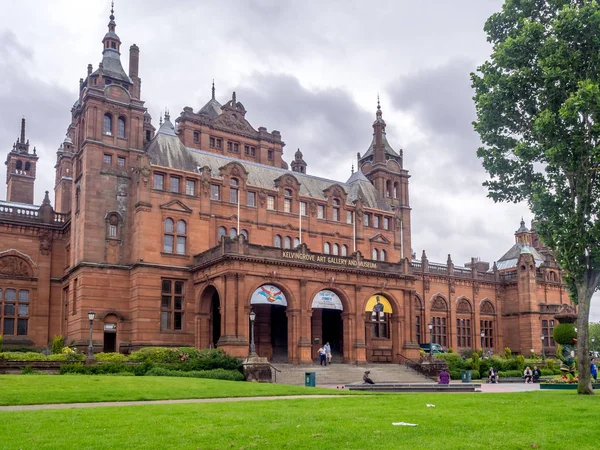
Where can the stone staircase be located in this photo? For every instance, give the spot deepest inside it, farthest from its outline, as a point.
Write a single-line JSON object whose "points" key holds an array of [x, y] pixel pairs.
{"points": [[342, 374]]}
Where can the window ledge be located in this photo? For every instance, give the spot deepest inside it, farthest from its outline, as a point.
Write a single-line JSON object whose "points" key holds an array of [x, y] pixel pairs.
{"points": [[175, 255], [172, 331]]}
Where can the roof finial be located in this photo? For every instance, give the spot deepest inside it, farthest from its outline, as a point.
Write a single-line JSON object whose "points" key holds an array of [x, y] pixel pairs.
{"points": [[160, 119], [352, 170], [233, 99], [213, 89], [167, 115], [23, 130], [378, 105], [112, 10]]}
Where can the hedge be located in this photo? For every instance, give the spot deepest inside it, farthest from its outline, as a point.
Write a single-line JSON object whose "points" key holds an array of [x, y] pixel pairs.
{"points": [[215, 374], [33, 356]]}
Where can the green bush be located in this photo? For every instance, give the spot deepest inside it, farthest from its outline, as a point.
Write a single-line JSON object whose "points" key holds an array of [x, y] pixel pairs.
{"points": [[507, 353], [564, 333], [58, 343], [450, 350], [0, 343], [215, 374], [520, 363], [547, 372], [186, 358], [66, 357], [510, 374], [550, 364], [454, 360], [455, 374], [98, 369], [475, 362], [19, 349], [18, 356], [112, 357]]}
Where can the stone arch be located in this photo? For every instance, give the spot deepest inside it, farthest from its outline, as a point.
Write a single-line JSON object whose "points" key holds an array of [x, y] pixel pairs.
{"points": [[291, 300], [111, 312], [463, 305], [15, 263], [203, 303], [487, 307], [391, 298], [339, 292], [438, 302], [418, 303]]}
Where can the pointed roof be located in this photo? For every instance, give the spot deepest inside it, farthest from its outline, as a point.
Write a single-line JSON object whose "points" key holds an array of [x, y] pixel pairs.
{"points": [[522, 228], [510, 259], [380, 124], [212, 108], [111, 58], [167, 128]]}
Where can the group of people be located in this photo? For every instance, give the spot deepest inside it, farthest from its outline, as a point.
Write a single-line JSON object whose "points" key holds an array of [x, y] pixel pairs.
{"points": [[325, 354], [532, 376]]}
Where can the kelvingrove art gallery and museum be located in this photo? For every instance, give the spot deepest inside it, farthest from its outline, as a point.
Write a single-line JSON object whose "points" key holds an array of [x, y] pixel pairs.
{"points": [[173, 235]]}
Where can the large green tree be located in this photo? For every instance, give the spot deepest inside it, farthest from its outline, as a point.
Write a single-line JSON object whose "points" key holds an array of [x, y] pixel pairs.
{"points": [[538, 116]]}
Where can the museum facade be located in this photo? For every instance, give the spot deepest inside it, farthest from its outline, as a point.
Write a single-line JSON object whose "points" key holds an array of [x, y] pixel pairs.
{"points": [[172, 236]]}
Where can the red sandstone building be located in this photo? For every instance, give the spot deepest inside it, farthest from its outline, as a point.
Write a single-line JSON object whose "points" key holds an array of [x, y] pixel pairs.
{"points": [[172, 236]]}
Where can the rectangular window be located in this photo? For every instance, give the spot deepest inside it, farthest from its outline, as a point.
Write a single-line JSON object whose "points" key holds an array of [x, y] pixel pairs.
{"points": [[174, 186], [547, 331], [236, 148], [159, 181], [219, 143], [303, 208], [169, 240], [251, 198], [348, 216], [418, 329], [439, 331], [172, 305], [233, 195], [190, 187], [320, 212], [121, 161], [196, 137], [336, 214], [247, 150], [366, 219], [181, 245], [271, 202], [107, 159], [252, 151], [487, 326], [287, 205], [463, 332], [14, 312], [270, 155], [212, 142], [229, 146], [375, 221], [215, 192], [112, 231]]}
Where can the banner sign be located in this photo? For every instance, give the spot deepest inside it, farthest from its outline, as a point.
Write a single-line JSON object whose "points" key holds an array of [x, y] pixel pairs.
{"points": [[268, 295], [327, 300]]}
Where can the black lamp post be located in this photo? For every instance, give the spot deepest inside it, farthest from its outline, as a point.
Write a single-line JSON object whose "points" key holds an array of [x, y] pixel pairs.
{"points": [[90, 354], [593, 346], [430, 326], [252, 347], [542, 337], [482, 334]]}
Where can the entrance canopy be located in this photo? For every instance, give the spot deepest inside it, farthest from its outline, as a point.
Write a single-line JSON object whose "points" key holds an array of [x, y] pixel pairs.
{"points": [[327, 300], [378, 303], [268, 295]]}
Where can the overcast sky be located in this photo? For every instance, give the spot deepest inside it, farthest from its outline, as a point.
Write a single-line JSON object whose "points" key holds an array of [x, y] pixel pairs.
{"points": [[310, 69]]}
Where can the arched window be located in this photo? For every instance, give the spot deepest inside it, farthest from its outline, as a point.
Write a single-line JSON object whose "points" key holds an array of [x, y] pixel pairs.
{"points": [[277, 241], [108, 124], [112, 226], [336, 249], [326, 247], [245, 234], [287, 201], [396, 190], [336, 210], [233, 190], [382, 255], [181, 237], [27, 166], [221, 233], [121, 127], [344, 250], [375, 255], [287, 242], [175, 238], [296, 242], [19, 165], [169, 238], [388, 188], [232, 233]]}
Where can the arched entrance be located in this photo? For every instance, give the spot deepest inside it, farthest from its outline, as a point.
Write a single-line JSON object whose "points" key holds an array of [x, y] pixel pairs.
{"points": [[271, 324], [327, 325], [210, 306], [110, 334], [378, 329]]}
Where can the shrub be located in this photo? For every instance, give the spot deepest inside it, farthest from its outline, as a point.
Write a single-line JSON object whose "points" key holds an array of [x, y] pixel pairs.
{"points": [[510, 374], [28, 370], [507, 353], [547, 372], [58, 343], [550, 364], [18, 356], [0, 343], [475, 362], [564, 333], [455, 374], [450, 350], [112, 357], [186, 358], [97, 369], [520, 363], [454, 360]]}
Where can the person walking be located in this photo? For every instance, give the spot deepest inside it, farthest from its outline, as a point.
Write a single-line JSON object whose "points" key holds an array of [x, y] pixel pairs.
{"points": [[594, 369], [328, 352], [322, 356]]}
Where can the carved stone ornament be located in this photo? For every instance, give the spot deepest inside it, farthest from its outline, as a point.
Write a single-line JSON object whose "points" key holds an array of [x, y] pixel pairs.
{"points": [[383, 285], [452, 286], [439, 304], [262, 197], [239, 124], [14, 266], [143, 173], [206, 187], [476, 289], [463, 307], [331, 282], [359, 214], [235, 171], [45, 242], [288, 181], [313, 208], [487, 308], [426, 285]]}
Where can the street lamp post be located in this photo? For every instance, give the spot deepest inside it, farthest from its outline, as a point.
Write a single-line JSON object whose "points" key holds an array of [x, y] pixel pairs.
{"points": [[482, 334], [252, 347], [430, 326], [593, 346], [90, 355], [543, 353]]}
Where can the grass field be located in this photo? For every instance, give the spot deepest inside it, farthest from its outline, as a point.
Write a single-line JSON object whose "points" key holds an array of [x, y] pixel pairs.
{"points": [[543, 420], [43, 389]]}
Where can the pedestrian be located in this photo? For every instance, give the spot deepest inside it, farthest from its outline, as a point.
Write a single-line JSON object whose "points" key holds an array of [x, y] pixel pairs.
{"points": [[367, 378], [322, 356], [444, 377], [328, 352], [594, 370]]}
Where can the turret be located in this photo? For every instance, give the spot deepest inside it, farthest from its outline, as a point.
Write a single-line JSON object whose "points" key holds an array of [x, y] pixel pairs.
{"points": [[20, 170], [298, 164]]}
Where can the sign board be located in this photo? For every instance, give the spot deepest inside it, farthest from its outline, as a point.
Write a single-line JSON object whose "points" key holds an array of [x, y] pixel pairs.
{"points": [[110, 327], [378, 303], [268, 295], [329, 260], [327, 300]]}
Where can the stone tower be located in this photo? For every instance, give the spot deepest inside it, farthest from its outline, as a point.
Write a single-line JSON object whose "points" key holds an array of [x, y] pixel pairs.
{"points": [[20, 170], [298, 164]]}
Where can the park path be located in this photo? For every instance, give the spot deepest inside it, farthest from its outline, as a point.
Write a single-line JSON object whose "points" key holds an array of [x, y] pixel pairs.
{"points": [[161, 402]]}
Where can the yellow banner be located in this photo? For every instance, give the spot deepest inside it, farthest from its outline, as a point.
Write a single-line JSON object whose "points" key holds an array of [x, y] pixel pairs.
{"points": [[378, 303]]}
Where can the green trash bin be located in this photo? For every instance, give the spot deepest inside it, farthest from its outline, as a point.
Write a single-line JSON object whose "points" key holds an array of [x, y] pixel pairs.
{"points": [[310, 379], [466, 376]]}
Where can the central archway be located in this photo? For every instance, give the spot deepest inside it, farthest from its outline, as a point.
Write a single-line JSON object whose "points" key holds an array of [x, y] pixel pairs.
{"points": [[327, 324], [210, 308], [271, 323]]}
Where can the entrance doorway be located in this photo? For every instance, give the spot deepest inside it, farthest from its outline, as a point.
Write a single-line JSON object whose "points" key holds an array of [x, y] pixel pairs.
{"points": [[271, 325], [333, 332], [209, 318], [327, 324], [279, 333], [110, 338], [215, 319]]}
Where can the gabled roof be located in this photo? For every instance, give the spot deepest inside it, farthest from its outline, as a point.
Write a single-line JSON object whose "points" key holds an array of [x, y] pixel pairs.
{"points": [[510, 259], [212, 109]]}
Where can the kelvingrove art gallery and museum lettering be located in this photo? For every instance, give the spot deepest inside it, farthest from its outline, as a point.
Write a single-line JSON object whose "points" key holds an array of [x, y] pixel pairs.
{"points": [[327, 259]]}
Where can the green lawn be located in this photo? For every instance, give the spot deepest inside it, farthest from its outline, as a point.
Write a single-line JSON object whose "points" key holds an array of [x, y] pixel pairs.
{"points": [[543, 420], [42, 389]]}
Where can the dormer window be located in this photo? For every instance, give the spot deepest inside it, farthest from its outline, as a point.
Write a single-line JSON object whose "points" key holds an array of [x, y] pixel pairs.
{"points": [[336, 210], [287, 201]]}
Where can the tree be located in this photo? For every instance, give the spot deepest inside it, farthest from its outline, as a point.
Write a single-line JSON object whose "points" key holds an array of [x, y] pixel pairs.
{"points": [[538, 116]]}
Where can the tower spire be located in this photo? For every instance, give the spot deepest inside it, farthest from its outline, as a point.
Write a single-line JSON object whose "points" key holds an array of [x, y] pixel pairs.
{"points": [[112, 24], [213, 89], [23, 130]]}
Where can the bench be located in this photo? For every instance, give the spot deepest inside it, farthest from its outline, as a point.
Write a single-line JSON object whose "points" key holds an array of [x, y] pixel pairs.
{"points": [[415, 387], [520, 380]]}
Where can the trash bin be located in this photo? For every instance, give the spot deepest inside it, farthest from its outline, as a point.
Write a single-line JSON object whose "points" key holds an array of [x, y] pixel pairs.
{"points": [[310, 379], [465, 376]]}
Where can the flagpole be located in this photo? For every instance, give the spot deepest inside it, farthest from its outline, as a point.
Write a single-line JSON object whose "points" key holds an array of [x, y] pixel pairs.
{"points": [[354, 235], [238, 213], [300, 220]]}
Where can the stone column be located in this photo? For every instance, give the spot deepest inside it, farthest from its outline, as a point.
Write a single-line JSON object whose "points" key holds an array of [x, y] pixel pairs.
{"points": [[304, 335], [360, 346]]}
